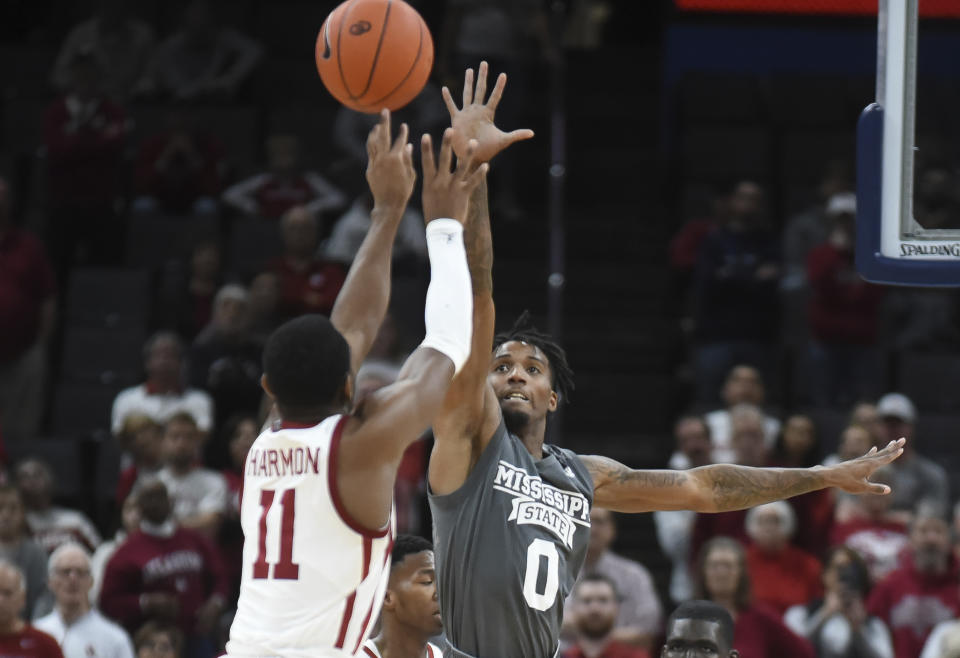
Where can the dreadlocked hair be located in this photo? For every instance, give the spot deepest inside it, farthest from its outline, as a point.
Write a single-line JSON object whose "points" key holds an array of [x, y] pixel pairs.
{"points": [[524, 331]]}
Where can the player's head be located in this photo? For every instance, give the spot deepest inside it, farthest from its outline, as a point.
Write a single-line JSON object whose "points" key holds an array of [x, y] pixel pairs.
{"points": [[699, 629], [35, 481], [529, 374], [13, 593], [411, 598], [306, 368], [69, 576], [596, 606]]}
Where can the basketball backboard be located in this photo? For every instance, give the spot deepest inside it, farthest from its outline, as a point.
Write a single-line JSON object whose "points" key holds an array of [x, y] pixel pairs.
{"points": [[892, 246]]}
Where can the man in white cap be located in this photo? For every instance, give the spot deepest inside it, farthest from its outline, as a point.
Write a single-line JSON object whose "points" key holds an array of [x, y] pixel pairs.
{"points": [[915, 478]]}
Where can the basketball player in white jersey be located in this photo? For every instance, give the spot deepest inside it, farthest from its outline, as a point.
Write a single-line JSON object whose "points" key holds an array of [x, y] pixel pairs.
{"points": [[411, 612], [317, 506]]}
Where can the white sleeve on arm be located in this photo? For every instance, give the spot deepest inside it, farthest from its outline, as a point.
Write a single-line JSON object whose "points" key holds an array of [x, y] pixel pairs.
{"points": [[448, 313]]}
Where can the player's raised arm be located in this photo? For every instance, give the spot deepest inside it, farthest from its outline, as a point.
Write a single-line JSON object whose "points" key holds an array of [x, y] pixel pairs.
{"points": [[470, 412], [724, 487], [376, 437], [362, 303]]}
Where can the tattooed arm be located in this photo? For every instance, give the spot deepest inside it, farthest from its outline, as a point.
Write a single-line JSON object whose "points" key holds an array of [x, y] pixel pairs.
{"points": [[724, 487]]}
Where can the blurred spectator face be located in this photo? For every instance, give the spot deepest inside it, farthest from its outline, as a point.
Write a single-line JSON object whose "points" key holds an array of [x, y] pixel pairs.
{"points": [[164, 361], [230, 313], [865, 413], [838, 560], [11, 516], [299, 232], [603, 531], [930, 542], [264, 295], [181, 441], [154, 502], [70, 579], [798, 435], [12, 596], [721, 572], [35, 482], [283, 153], [146, 444], [693, 440], [894, 428], [243, 437], [596, 608], [769, 530], [205, 262], [747, 203], [743, 385], [855, 441], [158, 645], [748, 441], [130, 515]]}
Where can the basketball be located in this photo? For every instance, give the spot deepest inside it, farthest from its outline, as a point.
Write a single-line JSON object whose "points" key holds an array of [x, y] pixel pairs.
{"points": [[374, 54]]}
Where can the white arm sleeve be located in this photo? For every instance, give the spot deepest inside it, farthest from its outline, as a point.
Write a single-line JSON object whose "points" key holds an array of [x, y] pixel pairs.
{"points": [[448, 313]]}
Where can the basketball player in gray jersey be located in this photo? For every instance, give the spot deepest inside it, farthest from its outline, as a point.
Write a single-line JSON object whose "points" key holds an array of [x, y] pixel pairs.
{"points": [[511, 514]]}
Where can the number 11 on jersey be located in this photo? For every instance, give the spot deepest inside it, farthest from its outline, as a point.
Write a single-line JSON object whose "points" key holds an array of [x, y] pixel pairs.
{"points": [[285, 569]]}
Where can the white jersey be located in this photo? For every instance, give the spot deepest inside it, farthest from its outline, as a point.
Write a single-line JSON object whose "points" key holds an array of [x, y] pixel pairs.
{"points": [[313, 579], [370, 649]]}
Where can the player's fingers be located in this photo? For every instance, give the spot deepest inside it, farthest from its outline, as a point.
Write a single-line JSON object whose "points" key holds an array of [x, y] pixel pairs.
{"points": [[384, 139], [408, 158], [481, 91], [467, 163], [426, 158], [476, 177], [879, 489], [448, 99], [518, 135], [497, 92], [446, 152], [401, 137], [468, 87]]}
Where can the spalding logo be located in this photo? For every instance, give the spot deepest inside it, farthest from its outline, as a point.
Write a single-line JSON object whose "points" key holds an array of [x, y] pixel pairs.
{"points": [[360, 27]]}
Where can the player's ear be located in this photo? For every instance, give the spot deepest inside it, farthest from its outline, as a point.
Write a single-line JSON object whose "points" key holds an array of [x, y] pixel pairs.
{"points": [[348, 389], [554, 401], [389, 600], [265, 385]]}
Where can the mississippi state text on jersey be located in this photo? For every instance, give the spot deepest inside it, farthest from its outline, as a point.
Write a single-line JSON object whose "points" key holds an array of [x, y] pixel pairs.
{"points": [[313, 579]]}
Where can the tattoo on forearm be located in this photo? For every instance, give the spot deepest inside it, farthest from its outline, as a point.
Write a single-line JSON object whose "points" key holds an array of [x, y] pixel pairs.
{"points": [[478, 242], [607, 472], [738, 487]]}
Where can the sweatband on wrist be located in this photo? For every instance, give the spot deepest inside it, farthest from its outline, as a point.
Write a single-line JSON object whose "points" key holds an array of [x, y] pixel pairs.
{"points": [[448, 312]]}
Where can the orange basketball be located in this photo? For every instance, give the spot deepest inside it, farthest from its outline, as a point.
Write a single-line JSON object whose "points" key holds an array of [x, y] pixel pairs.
{"points": [[373, 54]]}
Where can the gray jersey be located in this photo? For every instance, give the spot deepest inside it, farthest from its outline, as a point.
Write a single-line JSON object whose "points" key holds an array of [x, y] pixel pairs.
{"points": [[508, 546]]}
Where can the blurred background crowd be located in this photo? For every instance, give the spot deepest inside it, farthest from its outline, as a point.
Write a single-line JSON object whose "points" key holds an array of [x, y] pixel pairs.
{"points": [[175, 182]]}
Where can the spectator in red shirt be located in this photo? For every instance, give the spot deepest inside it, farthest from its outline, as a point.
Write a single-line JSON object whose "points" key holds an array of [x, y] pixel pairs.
{"points": [[923, 592], [782, 575], [84, 134], [284, 186], [27, 316], [596, 607], [843, 313], [307, 284], [179, 170], [166, 572], [19, 639], [722, 577]]}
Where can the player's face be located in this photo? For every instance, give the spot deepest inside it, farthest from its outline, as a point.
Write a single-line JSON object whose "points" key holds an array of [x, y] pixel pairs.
{"points": [[70, 579], [413, 593], [695, 638], [521, 378]]}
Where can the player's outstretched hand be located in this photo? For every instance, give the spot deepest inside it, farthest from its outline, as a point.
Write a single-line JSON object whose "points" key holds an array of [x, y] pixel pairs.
{"points": [[390, 171], [446, 193], [475, 119], [854, 476]]}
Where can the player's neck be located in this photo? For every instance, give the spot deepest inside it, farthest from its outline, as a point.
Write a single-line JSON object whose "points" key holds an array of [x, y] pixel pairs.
{"points": [[532, 435], [397, 641]]}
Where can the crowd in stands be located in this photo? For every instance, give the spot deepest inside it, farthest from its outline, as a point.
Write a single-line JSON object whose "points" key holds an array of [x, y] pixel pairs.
{"points": [[155, 571]]}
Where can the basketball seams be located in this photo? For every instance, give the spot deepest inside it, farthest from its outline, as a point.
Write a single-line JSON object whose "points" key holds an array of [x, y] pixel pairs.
{"points": [[410, 71], [376, 55], [343, 19]]}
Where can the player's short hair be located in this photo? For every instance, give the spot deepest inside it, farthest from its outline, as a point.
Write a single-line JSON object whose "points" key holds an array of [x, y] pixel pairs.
{"points": [[408, 545], [524, 331], [594, 577], [705, 611], [306, 361]]}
